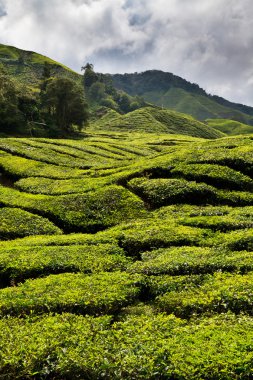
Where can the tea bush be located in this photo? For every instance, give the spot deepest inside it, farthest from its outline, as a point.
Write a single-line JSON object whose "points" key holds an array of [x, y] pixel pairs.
{"points": [[16, 223], [19, 263], [160, 192], [192, 260], [101, 293], [219, 293]]}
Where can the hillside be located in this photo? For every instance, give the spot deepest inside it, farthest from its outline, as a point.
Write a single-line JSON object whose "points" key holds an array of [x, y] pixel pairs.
{"points": [[155, 120], [27, 66], [126, 255], [170, 91], [230, 127]]}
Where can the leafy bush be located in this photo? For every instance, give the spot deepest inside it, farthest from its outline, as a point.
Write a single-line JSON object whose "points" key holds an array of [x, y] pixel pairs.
{"points": [[150, 234], [215, 175], [19, 263], [142, 347], [16, 223], [91, 211], [219, 293], [192, 260], [101, 293], [160, 192]]}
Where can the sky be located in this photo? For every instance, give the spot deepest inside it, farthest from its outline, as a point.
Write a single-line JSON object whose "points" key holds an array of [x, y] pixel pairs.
{"points": [[208, 42]]}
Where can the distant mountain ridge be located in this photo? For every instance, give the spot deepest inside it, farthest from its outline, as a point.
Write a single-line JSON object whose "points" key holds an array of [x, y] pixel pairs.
{"points": [[171, 91]]}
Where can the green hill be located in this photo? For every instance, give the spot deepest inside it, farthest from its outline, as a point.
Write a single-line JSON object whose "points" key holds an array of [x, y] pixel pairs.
{"points": [[230, 127], [155, 120], [27, 66], [168, 90]]}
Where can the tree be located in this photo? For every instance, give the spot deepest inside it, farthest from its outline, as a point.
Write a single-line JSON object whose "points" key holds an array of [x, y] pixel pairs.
{"points": [[66, 104], [97, 91], [10, 115], [89, 76]]}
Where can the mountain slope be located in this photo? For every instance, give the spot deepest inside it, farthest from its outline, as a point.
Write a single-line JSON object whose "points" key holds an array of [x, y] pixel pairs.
{"points": [[156, 120], [230, 127], [27, 66], [170, 91]]}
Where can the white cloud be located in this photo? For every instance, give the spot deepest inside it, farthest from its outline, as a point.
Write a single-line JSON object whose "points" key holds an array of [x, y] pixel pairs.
{"points": [[208, 42]]}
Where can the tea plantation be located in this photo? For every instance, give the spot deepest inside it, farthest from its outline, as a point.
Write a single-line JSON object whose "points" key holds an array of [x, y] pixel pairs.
{"points": [[126, 255]]}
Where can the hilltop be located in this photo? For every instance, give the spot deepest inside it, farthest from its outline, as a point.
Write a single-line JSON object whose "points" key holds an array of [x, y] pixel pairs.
{"points": [[27, 66], [155, 120], [171, 91]]}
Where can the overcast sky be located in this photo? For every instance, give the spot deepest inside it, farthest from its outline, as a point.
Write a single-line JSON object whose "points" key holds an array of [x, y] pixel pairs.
{"points": [[209, 42]]}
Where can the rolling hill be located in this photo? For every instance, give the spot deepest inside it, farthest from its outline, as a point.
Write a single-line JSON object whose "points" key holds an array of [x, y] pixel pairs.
{"points": [[170, 91], [230, 127], [155, 120]]}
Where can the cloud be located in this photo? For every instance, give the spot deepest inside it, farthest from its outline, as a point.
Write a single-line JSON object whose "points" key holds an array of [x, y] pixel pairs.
{"points": [[207, 42], [2, 9]]}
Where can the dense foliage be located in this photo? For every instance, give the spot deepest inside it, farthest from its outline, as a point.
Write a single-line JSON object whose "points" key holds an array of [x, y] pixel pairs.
{"points": [[155, 278]]}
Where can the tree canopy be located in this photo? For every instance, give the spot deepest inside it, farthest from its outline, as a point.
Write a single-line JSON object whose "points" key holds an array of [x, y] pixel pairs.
{"points": [[66, 104]]}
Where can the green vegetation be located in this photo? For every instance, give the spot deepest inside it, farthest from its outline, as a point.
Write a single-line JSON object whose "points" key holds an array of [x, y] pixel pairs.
{"points": [[145, 238], [16, 223], [156, 120], [170, 91], [80, 293], [126, 252], [230, 127]]}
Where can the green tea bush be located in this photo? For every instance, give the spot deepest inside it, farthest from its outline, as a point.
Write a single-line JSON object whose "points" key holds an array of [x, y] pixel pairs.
{"points": [[219, 293], [217, 223], [145, 347], [192, 260], [90, 211], [16, 223], [161, 192], [22, 167], [215, 175], [101, 293], [19, 263], [37, 185], [237, 240], [151, 234], [32, 150]]}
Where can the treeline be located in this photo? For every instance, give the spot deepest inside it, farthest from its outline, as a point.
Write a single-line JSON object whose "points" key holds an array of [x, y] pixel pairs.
{"points": [[100, 91], [58, 107]]}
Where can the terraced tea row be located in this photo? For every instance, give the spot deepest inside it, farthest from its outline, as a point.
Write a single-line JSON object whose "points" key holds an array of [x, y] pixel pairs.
{"points": [[139, 347], [129, 230]]}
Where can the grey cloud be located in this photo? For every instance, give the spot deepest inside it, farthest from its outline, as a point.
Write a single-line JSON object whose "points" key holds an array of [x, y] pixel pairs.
{"points": [[2, 10], [207, 42]]}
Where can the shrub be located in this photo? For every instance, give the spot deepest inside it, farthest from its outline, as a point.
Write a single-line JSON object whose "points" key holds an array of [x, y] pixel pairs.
{"points": [[102, 293], [19, 263], [161, 192], [192, 260], [220, 293], [16, 223]]}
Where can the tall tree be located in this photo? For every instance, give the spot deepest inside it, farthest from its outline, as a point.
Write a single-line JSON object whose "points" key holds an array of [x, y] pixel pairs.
{"points": [[89, 76], [10, 115], [67, 104]]}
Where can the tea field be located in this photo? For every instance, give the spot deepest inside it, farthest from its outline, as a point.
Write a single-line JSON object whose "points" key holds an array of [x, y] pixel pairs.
{"points": [[126, 255]]}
